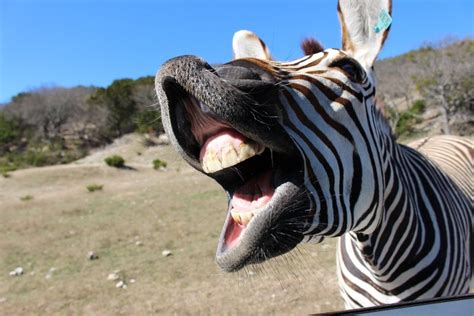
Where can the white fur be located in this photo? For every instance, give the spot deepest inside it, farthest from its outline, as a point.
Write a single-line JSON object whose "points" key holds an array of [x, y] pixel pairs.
{"points": [[247, 44], [359, 18]]}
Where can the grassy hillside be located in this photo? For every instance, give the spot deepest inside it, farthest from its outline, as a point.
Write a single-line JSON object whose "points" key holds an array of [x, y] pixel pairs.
{"points": [[429, 90], [423, 92], [50, 222]]}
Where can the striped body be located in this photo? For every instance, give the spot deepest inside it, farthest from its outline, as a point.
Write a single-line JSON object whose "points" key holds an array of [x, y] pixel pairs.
{"points": [[404, 213], [423, 246]]}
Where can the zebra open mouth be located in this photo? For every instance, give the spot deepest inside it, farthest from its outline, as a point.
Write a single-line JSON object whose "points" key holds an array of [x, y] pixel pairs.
{"points": [[209, 122]]}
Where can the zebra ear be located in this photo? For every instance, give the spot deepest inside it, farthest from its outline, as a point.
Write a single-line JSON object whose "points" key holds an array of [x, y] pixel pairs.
{"points": [[365, 26], [247, 44]]}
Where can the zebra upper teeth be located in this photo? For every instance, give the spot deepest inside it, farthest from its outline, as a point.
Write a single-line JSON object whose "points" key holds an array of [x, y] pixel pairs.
{"points": [[228, 156]]}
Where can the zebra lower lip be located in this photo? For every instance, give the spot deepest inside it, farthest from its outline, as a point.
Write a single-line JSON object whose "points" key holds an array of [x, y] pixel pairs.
{"points": [[251, 231]]}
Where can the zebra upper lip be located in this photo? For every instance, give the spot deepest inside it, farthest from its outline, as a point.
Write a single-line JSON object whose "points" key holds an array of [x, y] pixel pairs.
{"points": [[187, 76]]}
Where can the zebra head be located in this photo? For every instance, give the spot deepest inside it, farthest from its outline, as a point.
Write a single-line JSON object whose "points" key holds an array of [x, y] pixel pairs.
{"points": [[293, 144]]}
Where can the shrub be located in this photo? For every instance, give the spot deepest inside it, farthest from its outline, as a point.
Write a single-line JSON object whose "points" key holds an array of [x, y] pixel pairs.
{"points": [[404, 124], [37, 155], [94, 187], [9, 130], [26, 198], [7, 167], [115, 161], [36, 158], [148, 121], [409, 118], [159, 164], [418, 107]]}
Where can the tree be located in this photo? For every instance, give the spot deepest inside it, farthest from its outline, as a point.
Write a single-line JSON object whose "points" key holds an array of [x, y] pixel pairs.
{"points": [[447, 78], [118, 99], [9, 131], [48, 111], [148, 117]]}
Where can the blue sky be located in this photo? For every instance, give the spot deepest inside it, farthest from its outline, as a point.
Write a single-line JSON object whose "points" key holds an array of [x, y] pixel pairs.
{"points": [[85, 42]]}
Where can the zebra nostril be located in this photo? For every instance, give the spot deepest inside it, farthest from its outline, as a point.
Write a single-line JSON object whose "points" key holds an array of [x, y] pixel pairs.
{"points": [[204, 107]]}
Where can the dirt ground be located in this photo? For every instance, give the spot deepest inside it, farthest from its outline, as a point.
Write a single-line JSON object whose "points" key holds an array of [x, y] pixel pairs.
{"points": [[49, 223]]}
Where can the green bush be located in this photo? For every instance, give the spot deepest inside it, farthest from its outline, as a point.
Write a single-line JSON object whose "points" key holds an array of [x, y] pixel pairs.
{"points": [[37, 158], [148, 121], [404, 123], [9, 130], [410, 117], [26, 198], [7, 167], [94, 187], [115, 161], [418, 107], [7, 164], [159, 164]]}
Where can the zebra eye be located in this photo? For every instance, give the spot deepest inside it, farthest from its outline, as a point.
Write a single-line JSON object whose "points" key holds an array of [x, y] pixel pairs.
{"points": [[350, 67]]}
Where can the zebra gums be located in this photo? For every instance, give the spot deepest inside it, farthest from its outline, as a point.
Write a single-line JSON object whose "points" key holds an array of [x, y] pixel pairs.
{"points": [[303, 153]]}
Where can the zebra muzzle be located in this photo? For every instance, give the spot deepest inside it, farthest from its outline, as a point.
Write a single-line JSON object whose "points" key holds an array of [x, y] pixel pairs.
{"points": [[194, 96], [226, 122]]}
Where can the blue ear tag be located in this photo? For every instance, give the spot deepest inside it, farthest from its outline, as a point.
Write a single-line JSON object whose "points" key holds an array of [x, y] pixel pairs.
{"points": [[384, 22]]}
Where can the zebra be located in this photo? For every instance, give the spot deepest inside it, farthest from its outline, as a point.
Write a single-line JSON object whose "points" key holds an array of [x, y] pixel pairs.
{"points": [[304, 153]]}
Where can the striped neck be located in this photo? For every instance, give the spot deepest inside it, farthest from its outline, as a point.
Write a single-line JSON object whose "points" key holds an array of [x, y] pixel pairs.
{"points": [[399, 218]]}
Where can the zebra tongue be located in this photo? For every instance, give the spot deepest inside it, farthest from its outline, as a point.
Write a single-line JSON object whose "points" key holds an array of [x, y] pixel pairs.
{"points": [[225, 149], [252, 197]]}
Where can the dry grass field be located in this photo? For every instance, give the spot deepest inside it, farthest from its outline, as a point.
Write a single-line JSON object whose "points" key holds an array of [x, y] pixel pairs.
{"points": [[50, 221]]}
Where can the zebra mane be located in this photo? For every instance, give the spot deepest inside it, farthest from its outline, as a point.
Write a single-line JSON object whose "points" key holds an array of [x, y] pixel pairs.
{"points": [[311, 46], [382, 120]]}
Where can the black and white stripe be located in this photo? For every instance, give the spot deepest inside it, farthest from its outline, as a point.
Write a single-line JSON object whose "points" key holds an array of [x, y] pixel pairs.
{"points": [[404, 214]]}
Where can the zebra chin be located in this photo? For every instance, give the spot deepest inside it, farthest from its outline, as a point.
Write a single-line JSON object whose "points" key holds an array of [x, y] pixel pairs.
{"points": [[274, 229], [206, 110]]}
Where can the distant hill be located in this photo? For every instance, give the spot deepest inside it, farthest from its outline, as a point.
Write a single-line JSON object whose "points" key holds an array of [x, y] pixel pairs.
{"points": [[56, 125], [423, 92], [441, 77]]}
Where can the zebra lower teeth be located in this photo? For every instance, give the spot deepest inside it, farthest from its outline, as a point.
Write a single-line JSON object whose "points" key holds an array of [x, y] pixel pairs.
{"points": [[252, 197], [215, 159]]}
